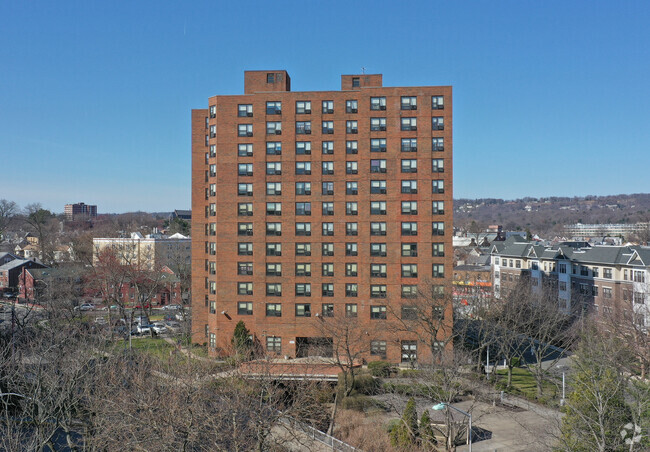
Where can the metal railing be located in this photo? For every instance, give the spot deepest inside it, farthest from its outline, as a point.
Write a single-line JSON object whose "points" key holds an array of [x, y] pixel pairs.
{"points": [[315, 434]]}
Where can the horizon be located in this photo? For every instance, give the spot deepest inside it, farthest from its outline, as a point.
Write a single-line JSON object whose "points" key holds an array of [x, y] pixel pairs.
{"points": [[97, 97]]}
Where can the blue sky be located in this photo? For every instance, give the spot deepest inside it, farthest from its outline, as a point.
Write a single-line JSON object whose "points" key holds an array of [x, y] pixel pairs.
{"points": [[550, 98]]}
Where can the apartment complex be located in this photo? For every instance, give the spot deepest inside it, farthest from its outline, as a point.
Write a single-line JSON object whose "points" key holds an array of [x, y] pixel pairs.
{"points": [[79, 211], [151, 252], [600, 230], [599, 278], [319, 204]]}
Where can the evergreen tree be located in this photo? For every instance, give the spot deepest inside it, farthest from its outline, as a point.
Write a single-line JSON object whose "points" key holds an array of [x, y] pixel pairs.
{"points": [[405, 434], [241, 340], [427, 435]]}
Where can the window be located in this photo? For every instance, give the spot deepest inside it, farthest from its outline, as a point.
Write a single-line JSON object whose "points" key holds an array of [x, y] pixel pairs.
{"points": [[328, 229], [273, 344], [378, 145], [213, 171], [273, 310], [303, 208], [351, 147], [351, 269], [351, 290], [351, 208], [274, 249], [245, 169], [303, 229], [351, 106], [303, 290], [245, 249], [378, 103], [356, 82], [377, 124], [409, 270], [213, 151], [409, 124], [211, 248], [409, 351], [303, 167], [437, 186], [244, 268], [438, 208], [273, 269], [328, 168], [351, 127], [303, 107], [638, 276], [273, 188], [273, 128], [327, 269], [245, 288], [409, 103], [328, 310], [213, 268], [409, 145], [303, 127], [437, 144], [244, 228], [245, 130], [273, 289], [328, 208], [607, 292], [377, 312], [328, 107], [378, 249], [409, 291], [303, 188], [213, 131], [561, 267], [303, 269], [438, 228], [378, 348], [274, 208], [303, 147], [377, 291], [351, 308], [274, 108], [437, 123], [351, 188], [303, 310], [243, 150], [378, 186], [378, 166], [438, 249], [437, 166], [328, 147], [273, 228], [273, 148], [607, 273], [438, 271], [377, 207], [409, 313], [245, 308], [378, 270], [244, 209], [213, 111], [270, 78], [328, 188], [327, 289], [409, 186], [378, 228], [409, 207], [639, 297], [351, 167], [328, 127], [273, 168], [303, 249], [409, 228], [437, 103], [351, 249], [409, 249], [327, 249]]}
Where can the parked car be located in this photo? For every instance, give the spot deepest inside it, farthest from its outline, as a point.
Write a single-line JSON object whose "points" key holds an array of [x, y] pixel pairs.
{"points": [[144, 328], [182, 316], [174, 327], [159, 327], [113, 307], [171, 307], [84, 307]]}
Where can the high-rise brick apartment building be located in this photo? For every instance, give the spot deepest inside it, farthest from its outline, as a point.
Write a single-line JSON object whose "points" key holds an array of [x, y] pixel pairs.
{"points": [[317, 204]]}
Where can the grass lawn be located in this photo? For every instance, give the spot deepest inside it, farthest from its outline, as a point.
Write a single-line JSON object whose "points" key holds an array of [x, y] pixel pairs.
{"points": [[523, 383]]}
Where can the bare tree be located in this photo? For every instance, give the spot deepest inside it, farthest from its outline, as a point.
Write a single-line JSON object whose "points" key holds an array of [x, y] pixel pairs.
{"points": [[44, 224], [8, 212]]}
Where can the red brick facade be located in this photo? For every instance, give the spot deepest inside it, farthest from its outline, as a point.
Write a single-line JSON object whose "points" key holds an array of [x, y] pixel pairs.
{"points": [[221, 226]]}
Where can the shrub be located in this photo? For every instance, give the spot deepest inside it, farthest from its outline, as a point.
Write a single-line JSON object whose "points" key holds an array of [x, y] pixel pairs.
{"points": [[380, 368], [366, 384], [357, 403]]}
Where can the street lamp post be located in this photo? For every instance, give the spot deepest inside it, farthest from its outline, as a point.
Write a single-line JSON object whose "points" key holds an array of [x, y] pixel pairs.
{"points": [[443, 405]]}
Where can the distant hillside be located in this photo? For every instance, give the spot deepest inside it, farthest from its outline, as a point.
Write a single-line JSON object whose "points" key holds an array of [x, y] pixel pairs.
{"points": [[548, 215]]}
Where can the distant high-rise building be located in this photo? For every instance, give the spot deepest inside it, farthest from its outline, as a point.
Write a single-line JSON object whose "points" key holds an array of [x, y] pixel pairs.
{"points": [[79, 211], [316, 204]]}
